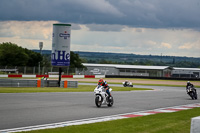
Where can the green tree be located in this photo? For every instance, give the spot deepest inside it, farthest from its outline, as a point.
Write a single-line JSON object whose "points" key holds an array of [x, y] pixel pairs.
{"points": [[34, 58], [75, 61], [13, 55]]}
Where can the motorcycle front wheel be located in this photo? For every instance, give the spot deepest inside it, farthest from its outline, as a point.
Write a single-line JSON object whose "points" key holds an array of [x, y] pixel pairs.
{"points": [[192, 95], [97, 102]]}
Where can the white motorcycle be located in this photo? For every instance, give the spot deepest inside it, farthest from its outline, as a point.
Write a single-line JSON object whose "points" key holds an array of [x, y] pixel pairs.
{"points": [[101, 97]]}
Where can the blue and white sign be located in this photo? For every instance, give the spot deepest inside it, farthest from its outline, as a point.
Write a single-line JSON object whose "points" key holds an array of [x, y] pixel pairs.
{"points": [[60, 55]]}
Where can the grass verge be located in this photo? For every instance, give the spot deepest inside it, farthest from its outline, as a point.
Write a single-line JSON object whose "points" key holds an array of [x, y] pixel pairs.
{"points": [[81, 88], [177, 122]]}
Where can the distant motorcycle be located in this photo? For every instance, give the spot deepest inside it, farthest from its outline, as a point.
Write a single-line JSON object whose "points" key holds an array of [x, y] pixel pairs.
{"points": [[101, 97], [127, 84], [191, 91]]}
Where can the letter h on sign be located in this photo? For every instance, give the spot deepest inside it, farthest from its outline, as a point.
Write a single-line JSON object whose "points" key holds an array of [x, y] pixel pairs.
{"points": [[61, 56]]}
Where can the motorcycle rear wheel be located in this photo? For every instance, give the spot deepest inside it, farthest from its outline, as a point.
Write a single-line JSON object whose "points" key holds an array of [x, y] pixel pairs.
{"points": [[110, 102]]}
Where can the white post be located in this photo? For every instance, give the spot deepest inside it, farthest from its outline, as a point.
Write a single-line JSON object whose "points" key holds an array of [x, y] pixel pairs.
{"points": [[195, 125]]}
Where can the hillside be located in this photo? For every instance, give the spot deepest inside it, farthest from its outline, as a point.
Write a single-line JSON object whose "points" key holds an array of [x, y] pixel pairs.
{"points": [[122, 58]]}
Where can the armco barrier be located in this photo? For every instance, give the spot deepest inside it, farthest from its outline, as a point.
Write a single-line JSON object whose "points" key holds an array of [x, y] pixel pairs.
{"points": [[17, 83], [28, 76], [94, 76], [40, 76], [89, 76], [4, 76], [14, 76], [36, 83], [69, 84], [54, 83], [52, 76], [47, 83], [78, 76], [67, 76]]}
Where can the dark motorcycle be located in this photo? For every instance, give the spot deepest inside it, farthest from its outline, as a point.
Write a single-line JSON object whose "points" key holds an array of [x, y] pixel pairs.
{"points": [[127, 84], [191, 91]]}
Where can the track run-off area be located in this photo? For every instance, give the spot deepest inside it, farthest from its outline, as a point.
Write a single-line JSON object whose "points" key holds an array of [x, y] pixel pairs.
{"points": [[46, 109]]}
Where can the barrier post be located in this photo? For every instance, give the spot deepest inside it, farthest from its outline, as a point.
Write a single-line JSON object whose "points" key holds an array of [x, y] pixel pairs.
{"points": [[65, 84], [195, 125], [38, 83]]}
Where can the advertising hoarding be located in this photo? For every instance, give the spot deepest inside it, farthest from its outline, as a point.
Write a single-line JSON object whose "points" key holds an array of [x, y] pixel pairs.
{"points": [[60, 55]]}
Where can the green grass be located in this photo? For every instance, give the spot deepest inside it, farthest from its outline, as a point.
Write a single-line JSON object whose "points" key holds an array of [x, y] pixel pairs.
{"points": [[177, 122], [81, 88]]}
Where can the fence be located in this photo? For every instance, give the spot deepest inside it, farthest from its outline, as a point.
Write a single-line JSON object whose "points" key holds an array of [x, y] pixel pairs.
{"points": [[53, 71], [40, 70]]}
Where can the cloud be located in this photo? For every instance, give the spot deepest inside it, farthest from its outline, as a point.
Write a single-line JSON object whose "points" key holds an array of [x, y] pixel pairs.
{"points": [[91, 37], [151, 42], [132, 13], [100, 7], [76, 27], [27, 29], [186, 46], [166, 45], [27, 43], [105, 27], [191, 45]]}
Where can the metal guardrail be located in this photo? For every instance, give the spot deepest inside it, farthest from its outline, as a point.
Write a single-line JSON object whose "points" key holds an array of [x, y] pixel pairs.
{"points": [[70, 84], [17, 83], [49, 83], [33, 83]]}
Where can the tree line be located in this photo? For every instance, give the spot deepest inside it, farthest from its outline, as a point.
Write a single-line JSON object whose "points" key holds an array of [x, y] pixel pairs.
{"points": [[13, 55], [133, 59], [147, 62]]}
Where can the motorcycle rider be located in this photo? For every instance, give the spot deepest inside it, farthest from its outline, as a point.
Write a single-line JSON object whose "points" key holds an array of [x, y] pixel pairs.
{"points": [[189, 84], [126, 83], [105, 85]]}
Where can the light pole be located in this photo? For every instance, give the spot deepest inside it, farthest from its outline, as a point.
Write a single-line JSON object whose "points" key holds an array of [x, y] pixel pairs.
{"points": [[40, 46]]}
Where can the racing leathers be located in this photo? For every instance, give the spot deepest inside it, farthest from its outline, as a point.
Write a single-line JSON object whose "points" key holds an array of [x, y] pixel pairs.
{"points": [[105, 85], [189, 85]]}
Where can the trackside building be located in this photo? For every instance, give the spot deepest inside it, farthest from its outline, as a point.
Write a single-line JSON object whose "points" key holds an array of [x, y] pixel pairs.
{"points": [[139, 70], [186, 72], [127, 70]]}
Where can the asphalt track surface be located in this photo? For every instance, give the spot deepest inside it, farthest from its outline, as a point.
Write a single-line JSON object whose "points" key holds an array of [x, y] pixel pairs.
{"points": [[29, 109]]}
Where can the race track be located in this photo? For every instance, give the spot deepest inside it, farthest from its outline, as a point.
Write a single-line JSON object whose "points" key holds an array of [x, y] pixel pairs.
{"points": [[29, 109]]}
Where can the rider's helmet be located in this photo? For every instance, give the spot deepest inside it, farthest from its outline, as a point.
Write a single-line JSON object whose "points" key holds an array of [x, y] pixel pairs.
{"points": [[100, 82], [188, 83]]}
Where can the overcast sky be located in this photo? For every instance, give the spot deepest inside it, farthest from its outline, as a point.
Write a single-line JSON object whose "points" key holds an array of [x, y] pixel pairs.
{"points": [[170, 27]]}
